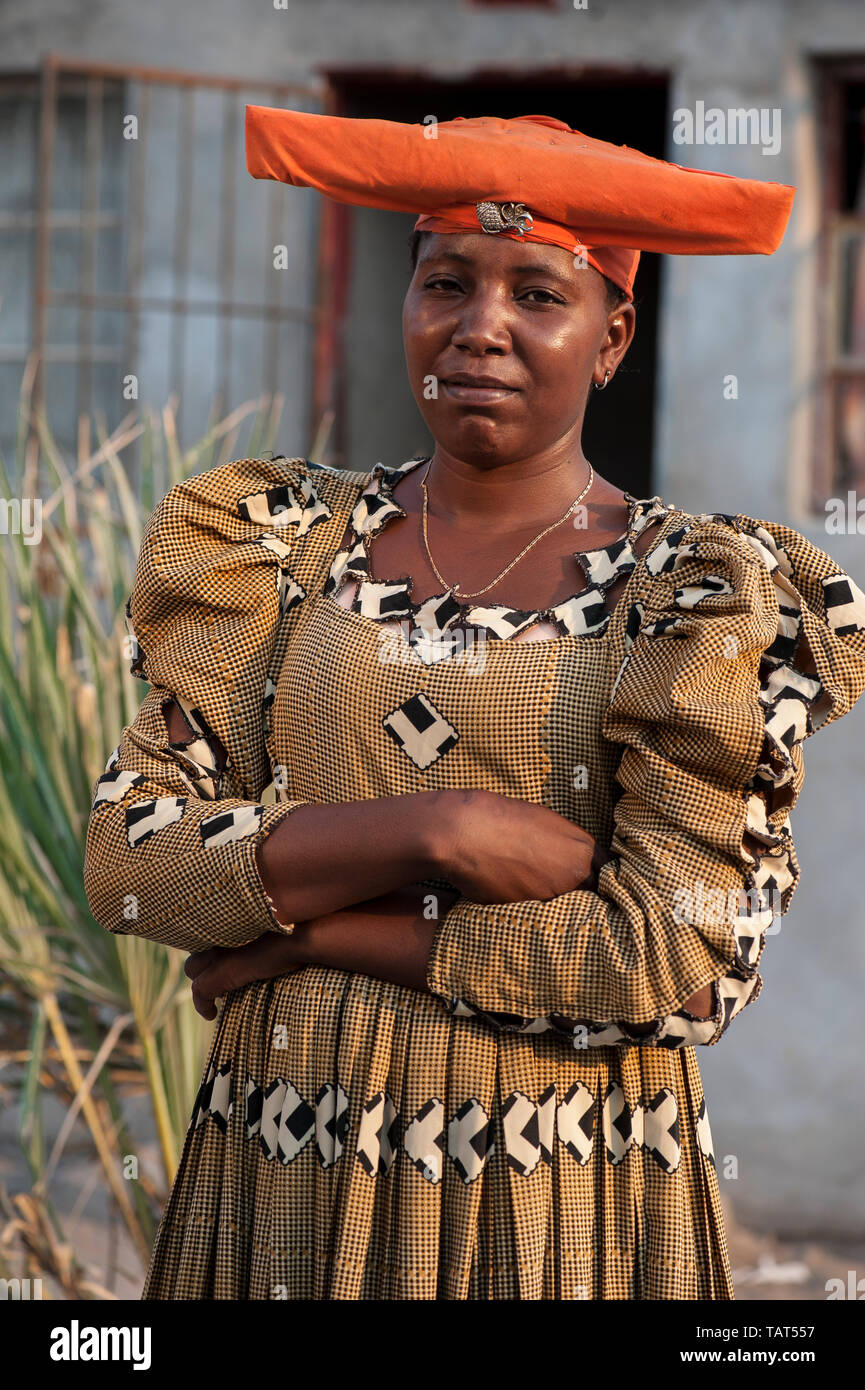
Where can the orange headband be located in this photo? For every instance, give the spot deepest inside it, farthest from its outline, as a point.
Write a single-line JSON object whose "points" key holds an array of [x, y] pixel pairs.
{"points": [[618, 263]]}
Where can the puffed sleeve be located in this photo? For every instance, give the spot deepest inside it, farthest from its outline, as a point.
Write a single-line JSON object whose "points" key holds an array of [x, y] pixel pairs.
{"points": [[743, 640], [171, 840]]}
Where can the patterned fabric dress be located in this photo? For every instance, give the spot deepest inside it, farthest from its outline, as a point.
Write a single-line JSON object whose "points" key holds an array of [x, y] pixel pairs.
{"points": [[506, 1135]]}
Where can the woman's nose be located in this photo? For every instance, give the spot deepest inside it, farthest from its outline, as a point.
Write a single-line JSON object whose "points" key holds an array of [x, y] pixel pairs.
{"points": [[482, 325]]}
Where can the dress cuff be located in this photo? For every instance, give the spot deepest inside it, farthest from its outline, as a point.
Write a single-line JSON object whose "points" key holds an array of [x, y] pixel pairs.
{"points": [[261, 905]]}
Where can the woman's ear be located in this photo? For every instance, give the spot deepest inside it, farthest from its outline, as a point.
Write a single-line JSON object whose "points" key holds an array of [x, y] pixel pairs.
{"points": [[622, 326]]}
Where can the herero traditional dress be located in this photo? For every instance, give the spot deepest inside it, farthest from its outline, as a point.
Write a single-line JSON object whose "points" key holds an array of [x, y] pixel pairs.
{"points": [[502, 1136]]}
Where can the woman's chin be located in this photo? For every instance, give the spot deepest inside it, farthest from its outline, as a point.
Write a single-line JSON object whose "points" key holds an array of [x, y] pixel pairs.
{"points": [[473, 435]]}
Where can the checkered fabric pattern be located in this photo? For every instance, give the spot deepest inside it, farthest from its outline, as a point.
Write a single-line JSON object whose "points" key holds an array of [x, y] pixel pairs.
{"points": [[504, 1135]]}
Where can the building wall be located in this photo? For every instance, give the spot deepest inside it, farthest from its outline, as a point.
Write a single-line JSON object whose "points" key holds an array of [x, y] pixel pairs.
{"points": [[784, 1086]]}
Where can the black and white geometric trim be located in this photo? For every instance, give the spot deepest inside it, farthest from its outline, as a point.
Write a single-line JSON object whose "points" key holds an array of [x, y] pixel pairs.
{"points": [[113, 758], [584, 614], [136, 665], [575, 1122], [113, 786], [197, 765], [845, 605], [424, 1140], [529, 1130], [148, 817], [420, 730], [681, 1029], [235, 823], [704, 1134], [198, 762], [377, 1136], [689, 595], [284, 1123], [285, 505], [214, 1098], [653, 1127]]}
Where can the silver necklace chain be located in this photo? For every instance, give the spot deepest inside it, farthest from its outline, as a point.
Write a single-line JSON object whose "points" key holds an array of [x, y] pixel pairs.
{"points": [[455, 587]]}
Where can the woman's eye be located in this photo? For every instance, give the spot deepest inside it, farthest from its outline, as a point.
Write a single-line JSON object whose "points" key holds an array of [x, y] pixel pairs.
{"points": [[550, 298], [443, 282]]}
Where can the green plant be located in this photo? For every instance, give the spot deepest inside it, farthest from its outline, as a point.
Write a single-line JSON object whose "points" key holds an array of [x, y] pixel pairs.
{"points": [[87, 997]]}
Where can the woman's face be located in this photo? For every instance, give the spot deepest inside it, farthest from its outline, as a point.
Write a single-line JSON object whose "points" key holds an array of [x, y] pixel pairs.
{"points": [[520, 316]]}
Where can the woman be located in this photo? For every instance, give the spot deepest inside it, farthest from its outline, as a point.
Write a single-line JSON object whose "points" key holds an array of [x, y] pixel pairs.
{"points": [[476, 823]]}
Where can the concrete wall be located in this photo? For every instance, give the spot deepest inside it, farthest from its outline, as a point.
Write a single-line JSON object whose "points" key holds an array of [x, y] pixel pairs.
{"points": [[784, 1086]]}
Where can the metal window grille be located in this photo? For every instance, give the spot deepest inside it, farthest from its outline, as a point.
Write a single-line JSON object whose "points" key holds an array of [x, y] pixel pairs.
{"points": [[840, 445], [146, 251]]}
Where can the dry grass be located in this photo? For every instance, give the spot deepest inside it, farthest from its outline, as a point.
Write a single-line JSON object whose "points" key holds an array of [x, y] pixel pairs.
{"points": [[85, 1016]]}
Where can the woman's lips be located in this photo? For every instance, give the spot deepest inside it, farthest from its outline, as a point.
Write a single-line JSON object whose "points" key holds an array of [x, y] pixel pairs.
{"points": [[477, 395]]}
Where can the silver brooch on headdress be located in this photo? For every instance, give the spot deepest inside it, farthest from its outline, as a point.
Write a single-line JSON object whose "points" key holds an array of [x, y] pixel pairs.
{"points": [[504, 217]]}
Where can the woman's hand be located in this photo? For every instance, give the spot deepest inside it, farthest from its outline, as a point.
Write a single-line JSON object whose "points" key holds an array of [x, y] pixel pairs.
{"points": [[220, 969], [499, 849], [389, 937]]}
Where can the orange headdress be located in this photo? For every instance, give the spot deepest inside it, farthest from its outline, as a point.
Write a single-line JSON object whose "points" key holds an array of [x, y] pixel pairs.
{"points": [[530, 177]]}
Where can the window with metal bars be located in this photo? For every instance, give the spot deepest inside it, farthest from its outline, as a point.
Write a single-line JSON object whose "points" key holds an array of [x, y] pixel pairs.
{"points": [[840, 451], [140, 264]]}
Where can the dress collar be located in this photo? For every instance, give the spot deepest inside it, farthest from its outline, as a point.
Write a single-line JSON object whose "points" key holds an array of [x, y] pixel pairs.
{"points": [[583, 614]]}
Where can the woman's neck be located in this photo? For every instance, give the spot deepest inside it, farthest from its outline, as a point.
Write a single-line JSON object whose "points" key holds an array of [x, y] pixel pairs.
{"points": [[519, 492]]}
